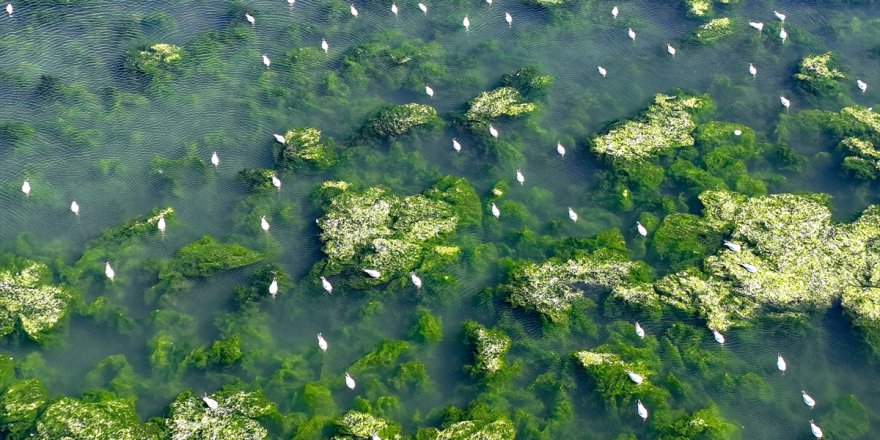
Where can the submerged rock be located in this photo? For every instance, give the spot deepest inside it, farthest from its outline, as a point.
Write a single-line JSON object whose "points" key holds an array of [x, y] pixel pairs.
{"points": [[665, 125], [303, 146], [191, 418], [395, 120], [490, 347], [28, 301], [111, 419]]}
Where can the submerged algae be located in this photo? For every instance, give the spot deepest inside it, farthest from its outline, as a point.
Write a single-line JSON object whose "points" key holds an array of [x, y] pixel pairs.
{"points": [[303, 146], [714, 30], [501, 429], [490, 347], [107, 419], [152, 60], [189, 417], [818, 73], [865, 160], [357, 425], [395, 120], [29, 301], [491, 105]]}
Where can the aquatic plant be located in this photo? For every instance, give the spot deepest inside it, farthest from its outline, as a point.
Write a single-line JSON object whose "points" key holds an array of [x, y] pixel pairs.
{"points": [[154, 59], [705, 423], [190, 418], [395, 120], [302, 147], [428, 328], [106, 418], [490, 347], [683, 240], [611, 380], [865, 160], [206, 256], [489, 106], [714, 30], [258, 179], [665, 125], [501, 429], [20, 403], [361, 425], [818, 74], [28, 301], [529, 82]]}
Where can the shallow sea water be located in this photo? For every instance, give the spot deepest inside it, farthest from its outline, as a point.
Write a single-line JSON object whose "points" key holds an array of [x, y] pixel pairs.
{"points": [[225, 100]]}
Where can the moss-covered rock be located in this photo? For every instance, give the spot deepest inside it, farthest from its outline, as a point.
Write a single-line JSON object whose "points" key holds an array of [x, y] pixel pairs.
{"points": [[19, 405], [501, 429], [818, 74], [190, 418], [378, 230], [28, 301], [491, 105], [361, 425], [490, 347], [864, 161], [548, 287], [105, 419], [665, 125], [395, 120], [714, 30], [154, 59], [302, 147]]}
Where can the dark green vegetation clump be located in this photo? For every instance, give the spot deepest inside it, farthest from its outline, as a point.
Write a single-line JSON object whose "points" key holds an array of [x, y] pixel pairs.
{"points": [[303, 147], [395, 120]]}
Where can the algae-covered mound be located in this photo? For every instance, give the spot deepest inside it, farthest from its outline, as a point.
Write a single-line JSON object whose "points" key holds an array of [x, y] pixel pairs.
{"points": [[206, 256], [190, 418], [714, 30], [491, 105], [501, 429], [357, 425], [395, 120], [792, 258], [665, 125], [28, 300], [378, 230], [864, 161], [303, 146], [108, 419], [490, 347], [704, 8], [609, 374], [867, 119], [548, 287], [818, 73], [20, 404], [153, 59]]}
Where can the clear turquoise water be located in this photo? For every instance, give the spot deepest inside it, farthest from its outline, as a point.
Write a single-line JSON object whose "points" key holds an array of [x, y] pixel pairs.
{"points": [[224, 99]]}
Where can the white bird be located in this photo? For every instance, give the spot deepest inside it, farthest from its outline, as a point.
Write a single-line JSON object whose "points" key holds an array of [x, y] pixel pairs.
{"points": [[572, 215], [273, 287], [9, 9], [508, 18], [817, 432], [109, 271], [632, 34], [326, 285], [415, 280], [26, 187], [753, 70], [737, 132], [670, 49], [279, 138], [291, 2], [266, 61], [519, 177], [636, 377], [456, 146], [560, 149], [74, 207], [394, 8], [212, 404], [495, 211], [322, 343], [602, 71], [466, 23], [493, 131], [863, 86], [757, 25], [276, 182], [785, 102], [349, 382], [748, 267], [642, 230], [373, 273], [643, 412], [783, 34], [250, 18], [373, 434], [423, 8], [614, 11], [263, 223], [779, 15], [429, 91], [639, 330], [354, 10], [161, 224], [489, 2], [732, 246], [809, 401], [324, 45], [215, 160], [780, 363], [719, 338]]}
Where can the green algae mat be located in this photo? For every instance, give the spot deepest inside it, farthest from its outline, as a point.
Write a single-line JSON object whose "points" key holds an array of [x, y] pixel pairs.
{"points": [[321, 219]]}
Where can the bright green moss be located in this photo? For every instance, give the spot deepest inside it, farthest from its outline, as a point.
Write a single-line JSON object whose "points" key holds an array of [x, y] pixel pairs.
{"points": [[865, 160], [818, 74], [705, 423], [684, 240], [362, 425], [610, 379], [319, 399]]}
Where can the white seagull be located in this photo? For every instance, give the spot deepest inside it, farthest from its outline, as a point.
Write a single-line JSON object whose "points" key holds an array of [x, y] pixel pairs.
{"points": [[779, 15], [279, 138], [508, 18], [632, 34], [757, 25], [753, 70], [250, 18], [615, 11], [572, 215], [26, 187], [817, 432], [493, 131], [639, 330], [394, 8], [322, 343], [560, 149], [273, 288], [276, 182], [9, 9], [326, 285], [415, 280], [160, 224], [215, 160], [466, 23], [423, 8], [748, 267], [863, 86], [641, 229], [349, 382], [670, 49], [636, 377], [354, 10], [602, 71], [495, 211], [429, 91], [456, 146], [74, 207], [732, 246], [785, 102], [780, 363], [719, 338], [783, 34], [809, 401], [266, 61], [324, 45], [373, 273], [212, 404], [109, 271], [643, 412], [263, 223], [519, 177]]}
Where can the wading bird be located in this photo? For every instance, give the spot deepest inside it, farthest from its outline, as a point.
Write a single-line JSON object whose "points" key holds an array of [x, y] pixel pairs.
{"points": [[394, 8], [785, 102], [809, 401], [641, 229], [643, 412], [783, 34], [373, 273], [215, 160], [670, 49], [74, 207], [322, 343], [263, 223], [732, 246], [326, 285], [250, 18], [757, 25], [520, 178], [276, 182], [354, 10], [349, 382], [748, 267], [273, 287], [324, 45], [719, 338], [9, 9], [423, 8], [779, 15], [572, 215], [508, 18], [632, 34], [109, 271], [495, 211], [456, 146], [602, 71], [639, 330], [415, 280], [373, 434], [615, 11]]}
